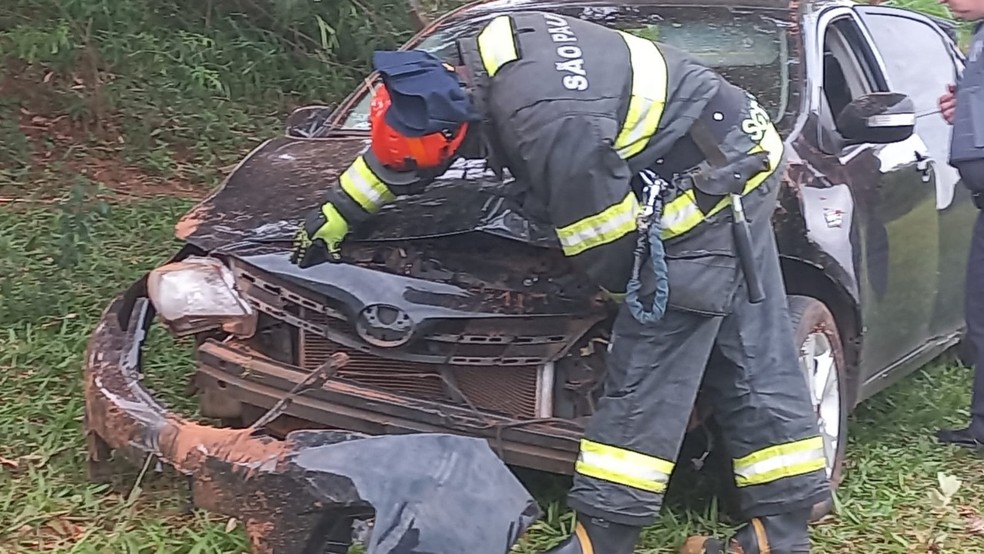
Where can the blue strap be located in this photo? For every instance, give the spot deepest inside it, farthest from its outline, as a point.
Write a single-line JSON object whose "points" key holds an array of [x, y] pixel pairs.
{"points": [[658, 257]]}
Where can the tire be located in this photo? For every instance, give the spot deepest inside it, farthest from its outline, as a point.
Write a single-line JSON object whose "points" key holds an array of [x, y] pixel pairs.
{"points": [[818, 343]]}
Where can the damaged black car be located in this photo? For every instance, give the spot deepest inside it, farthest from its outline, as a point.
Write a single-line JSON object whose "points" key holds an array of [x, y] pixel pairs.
{"points": [[455, 313]]}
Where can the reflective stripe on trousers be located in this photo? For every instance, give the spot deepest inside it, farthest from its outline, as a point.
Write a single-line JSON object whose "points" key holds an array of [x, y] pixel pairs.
{"points": [[779, 461], [755, 386], [623, 467]]}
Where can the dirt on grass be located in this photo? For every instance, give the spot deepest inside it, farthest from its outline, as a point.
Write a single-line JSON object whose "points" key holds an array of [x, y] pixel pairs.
{"points": [[62, 148]]}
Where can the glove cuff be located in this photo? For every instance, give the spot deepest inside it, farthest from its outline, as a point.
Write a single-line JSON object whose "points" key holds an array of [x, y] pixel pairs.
{"points": [[334, 227]]}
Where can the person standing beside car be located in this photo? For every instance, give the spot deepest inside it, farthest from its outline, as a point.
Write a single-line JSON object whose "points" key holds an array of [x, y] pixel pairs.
{"points": [[963, 107]]}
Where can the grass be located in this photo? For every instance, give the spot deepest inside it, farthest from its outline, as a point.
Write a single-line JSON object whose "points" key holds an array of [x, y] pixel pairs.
{"points": [[887, 503], [116, 114], [47, 505]]}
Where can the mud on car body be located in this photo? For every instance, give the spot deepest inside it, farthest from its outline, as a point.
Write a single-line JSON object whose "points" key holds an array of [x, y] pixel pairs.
{"points": [[457, 314]]}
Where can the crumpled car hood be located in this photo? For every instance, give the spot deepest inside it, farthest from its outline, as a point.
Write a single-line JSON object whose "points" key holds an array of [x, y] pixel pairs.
{"points": [[357, 288], [272, 189], [254, 215]]}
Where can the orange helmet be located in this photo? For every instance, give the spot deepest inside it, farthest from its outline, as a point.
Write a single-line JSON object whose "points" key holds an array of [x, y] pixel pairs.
{"points": [[399, 152]]}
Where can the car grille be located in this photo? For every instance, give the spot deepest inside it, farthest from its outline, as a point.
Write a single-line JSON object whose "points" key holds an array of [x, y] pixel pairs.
{"points": [[506, 390], [481, 343], [491, 364]]}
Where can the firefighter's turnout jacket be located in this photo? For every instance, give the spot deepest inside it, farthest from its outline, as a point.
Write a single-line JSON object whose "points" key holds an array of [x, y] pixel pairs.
{"points": [[576, 110]]}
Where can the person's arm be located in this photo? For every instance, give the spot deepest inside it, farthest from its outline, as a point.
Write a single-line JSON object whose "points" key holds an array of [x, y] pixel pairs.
{"points": [[589, 198], [361, 191]]}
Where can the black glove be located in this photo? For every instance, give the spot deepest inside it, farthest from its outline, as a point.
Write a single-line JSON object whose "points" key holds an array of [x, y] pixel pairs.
{"points": [[317, 239]]}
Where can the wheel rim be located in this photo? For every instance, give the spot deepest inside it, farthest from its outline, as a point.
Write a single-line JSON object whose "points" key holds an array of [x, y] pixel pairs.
{"points": [[818, 363]]}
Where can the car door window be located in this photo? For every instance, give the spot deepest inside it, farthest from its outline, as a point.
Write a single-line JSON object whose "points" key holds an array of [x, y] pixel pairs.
{"points": [[849, 68], [919, 60]]}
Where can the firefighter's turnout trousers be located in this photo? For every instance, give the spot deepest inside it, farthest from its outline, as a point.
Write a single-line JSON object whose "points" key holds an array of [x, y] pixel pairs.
{"points": [[759, 395]]}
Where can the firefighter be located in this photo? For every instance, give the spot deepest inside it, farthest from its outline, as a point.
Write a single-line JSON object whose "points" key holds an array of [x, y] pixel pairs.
{"points": [[595, 123]]}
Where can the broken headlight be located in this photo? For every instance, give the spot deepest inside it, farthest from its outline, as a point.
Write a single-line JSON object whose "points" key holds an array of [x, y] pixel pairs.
{"points": [[198, 294]]}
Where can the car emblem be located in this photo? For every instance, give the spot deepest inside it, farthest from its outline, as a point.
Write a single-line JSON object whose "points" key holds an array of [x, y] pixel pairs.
{"points": [[384, 326]]}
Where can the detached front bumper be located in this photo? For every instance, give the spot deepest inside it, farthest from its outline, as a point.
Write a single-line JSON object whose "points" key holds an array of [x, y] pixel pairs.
{"points": [[302, 494]]}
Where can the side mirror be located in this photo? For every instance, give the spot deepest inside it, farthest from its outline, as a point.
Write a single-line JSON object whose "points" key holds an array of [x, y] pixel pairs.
{"points": [[308, 121], [879, 118]]}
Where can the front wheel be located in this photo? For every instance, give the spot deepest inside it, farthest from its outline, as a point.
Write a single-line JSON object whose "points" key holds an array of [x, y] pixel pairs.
{"points": [[821, 357]]}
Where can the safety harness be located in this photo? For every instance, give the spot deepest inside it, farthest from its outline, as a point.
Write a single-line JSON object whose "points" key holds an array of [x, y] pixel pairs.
{"points": [[715, 175], [649, 244]]}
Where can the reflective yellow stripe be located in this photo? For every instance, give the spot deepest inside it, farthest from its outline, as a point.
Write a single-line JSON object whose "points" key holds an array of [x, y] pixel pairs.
{"points": [[624, 467], [496, 44], [682, 214], [648, 96], [601, 228], [364, 187], [782, 460]]}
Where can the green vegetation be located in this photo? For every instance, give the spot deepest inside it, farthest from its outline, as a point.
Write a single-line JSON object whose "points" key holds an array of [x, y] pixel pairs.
{"points": [[888, 504], [116, 114], [175, 88]]}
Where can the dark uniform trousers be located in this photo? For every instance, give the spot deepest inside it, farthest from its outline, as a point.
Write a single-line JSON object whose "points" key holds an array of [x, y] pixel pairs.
{"points": [[758, 393], [974, 313]]}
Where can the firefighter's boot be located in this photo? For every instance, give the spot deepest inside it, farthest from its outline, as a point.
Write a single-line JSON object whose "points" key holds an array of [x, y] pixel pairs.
{"points": [[596, 536], [779, 534]]}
